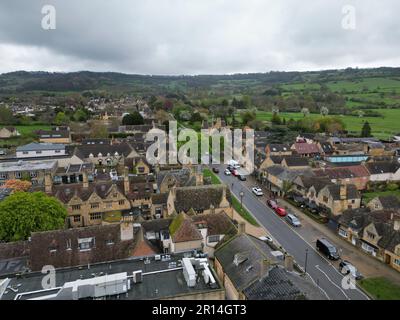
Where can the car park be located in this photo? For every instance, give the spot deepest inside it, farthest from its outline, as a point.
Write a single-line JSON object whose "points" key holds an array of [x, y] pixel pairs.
{"points": [[345, 267], [327, 249], [293, 220], [257, 191]]}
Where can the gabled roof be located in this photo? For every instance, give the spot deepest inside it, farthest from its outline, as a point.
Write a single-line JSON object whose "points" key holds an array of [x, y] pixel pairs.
{"points": [[351, 191], [217, 223], [183, 229], [200, 197], [122, 148], [306, 148]]}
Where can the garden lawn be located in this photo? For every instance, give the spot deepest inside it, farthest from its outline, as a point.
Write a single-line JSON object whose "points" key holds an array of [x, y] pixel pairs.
{"points": [[368, 196]]}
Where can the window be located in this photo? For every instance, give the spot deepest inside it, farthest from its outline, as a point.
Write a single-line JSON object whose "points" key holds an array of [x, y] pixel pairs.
{"points": [[68, 245], [115, 195], [109, 242], [25, 152], [121, 202], [57, 151], [370, 235], [141, 169], [86, 243], [95, 216], [343, 233], [77, 218], [397, 261], [368, 249], [18, 175], [325, 199], [38, 152], [76, 207], [3, 176], [213, 238], [33, 174], [108, 204], [353, 201], [95, 205]]}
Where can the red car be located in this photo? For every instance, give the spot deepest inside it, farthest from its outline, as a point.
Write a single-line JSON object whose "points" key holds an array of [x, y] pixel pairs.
{"points": [[235, 173], [280, 211]]}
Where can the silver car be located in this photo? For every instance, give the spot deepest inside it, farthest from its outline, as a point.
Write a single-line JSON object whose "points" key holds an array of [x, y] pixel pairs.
{"points": [[293, 220]]}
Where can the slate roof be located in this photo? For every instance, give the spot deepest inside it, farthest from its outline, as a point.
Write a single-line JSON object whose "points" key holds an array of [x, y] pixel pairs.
{"points": [[278, 147], [183, 177], [351, 191], [217, 223], [183, 229], [317, 182], [252, 251], [306, 148], [389, 202], [83, 151], [382, 167], [40, 147], [200, 197], [159, 198], [348, 172], [283, 285], [47, 134], [294, 161], [156, 225]]}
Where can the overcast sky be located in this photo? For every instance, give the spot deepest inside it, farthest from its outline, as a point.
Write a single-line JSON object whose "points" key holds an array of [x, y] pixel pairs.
{"points": [[198, 36]]}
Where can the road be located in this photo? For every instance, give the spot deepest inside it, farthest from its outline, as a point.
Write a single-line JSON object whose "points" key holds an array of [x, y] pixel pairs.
{"points": [[320, 269]]}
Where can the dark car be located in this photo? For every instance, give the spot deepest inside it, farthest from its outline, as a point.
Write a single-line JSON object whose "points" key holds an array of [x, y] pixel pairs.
{"points": [[242, 177], [327, 249], [272, 204], [215, 170], [345, 267], [312, 207]]}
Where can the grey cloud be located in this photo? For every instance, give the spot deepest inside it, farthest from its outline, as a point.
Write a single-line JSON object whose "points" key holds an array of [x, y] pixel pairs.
{"points": [[193, 36]]}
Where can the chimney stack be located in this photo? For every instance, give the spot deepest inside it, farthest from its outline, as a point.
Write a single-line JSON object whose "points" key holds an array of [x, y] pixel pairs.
{"points": [[85, 179], [48, 182], [289, 262], [343, 192], [264, 268], [126, 180], [242, 227]]}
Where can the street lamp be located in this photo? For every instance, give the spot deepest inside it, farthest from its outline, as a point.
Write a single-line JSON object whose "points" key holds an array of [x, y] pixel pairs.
{"points": [[305, 266], [241, 194]]}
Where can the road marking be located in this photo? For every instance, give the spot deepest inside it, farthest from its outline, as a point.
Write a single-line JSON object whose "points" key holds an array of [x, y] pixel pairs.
{"points": [[317, 266], [243, 186], [319, 286]]}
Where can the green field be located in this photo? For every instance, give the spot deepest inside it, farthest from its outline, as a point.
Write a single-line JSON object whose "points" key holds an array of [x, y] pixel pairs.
{"points": [[29, 129], [382, 127], [381, 288]]}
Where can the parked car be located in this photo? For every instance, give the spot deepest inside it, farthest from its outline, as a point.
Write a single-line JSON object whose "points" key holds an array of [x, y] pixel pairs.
{"points": [[257, 191], [242, 177], [235, 172], [312, 207], [345, 267], [272, 204], [293, 220], [280, 211], [266, 238], [327, 248], [299, 200], [227, 172], [215, 170]]}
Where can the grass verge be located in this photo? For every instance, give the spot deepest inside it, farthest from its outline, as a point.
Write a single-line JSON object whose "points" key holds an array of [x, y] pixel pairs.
{"points": [[235, 202], [381, 288]]}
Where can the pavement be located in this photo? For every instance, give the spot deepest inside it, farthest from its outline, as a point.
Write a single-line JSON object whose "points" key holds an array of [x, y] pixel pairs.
{"points": [[300, 244]]}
